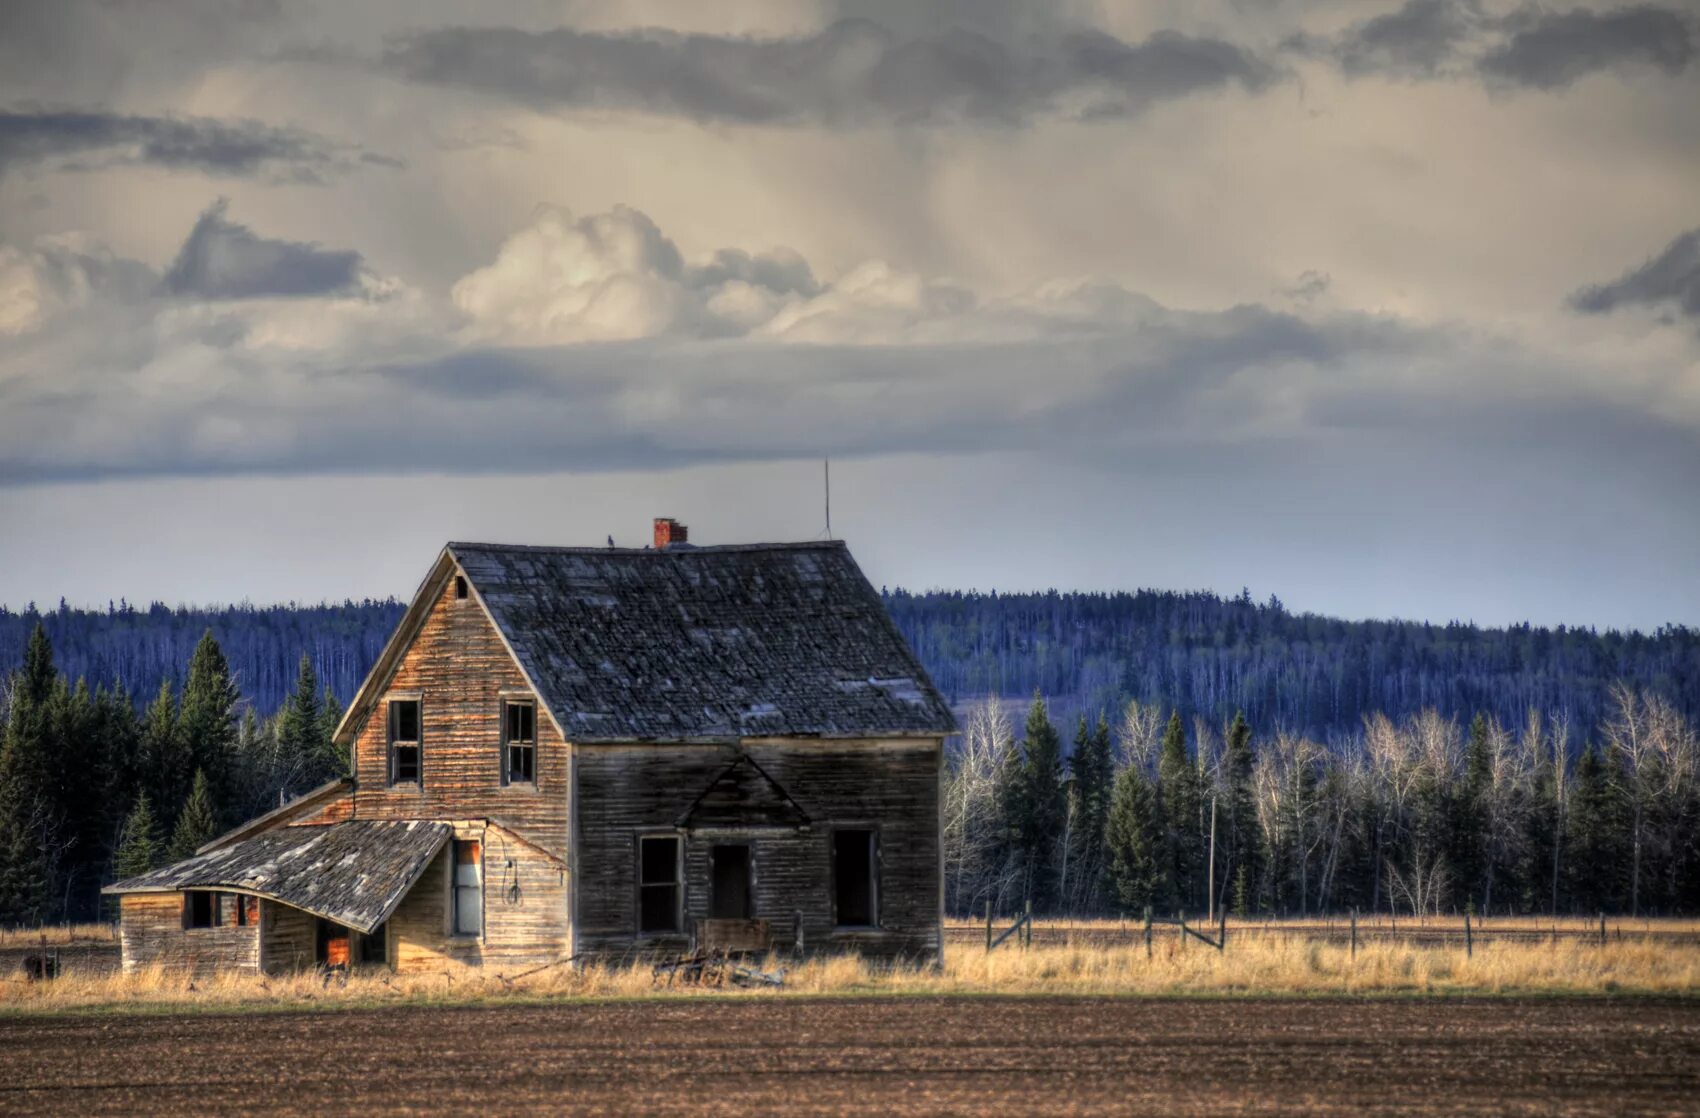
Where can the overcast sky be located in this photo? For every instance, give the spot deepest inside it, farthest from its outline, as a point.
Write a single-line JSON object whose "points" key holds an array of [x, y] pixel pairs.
{"points": [[1387, 310]]}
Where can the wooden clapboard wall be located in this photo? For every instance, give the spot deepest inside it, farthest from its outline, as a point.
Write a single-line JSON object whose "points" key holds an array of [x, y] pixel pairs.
{"points": [[892, 786], [152, 935]]}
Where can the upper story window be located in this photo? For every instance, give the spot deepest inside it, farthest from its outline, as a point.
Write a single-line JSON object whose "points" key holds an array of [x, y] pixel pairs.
{"points": [[404, 741], [519, 741], [460, 587]]}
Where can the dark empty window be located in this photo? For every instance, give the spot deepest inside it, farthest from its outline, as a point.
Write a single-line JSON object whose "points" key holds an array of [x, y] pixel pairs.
{"points": [[729, 895], [460, 586], [200, 910], [855, 878], [658, 884], [519, 743], [404, 741]]}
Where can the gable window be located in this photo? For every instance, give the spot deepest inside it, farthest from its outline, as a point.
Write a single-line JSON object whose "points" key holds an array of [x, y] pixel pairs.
{"points": [[468, 888], [519, 742], [659, 865], [404, 741], [855, 877], [460, 587]]}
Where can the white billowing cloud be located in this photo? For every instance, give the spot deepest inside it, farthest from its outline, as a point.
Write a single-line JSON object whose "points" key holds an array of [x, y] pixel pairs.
{"points": [[57, 275], [614, 277]]}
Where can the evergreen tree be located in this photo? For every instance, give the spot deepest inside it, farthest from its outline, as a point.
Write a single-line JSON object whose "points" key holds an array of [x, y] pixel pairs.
{"points": [[1092, 766], [1244, 845], [333, 759], [198, 823], [1039, 807], [1182, 794], [301, 757], [1467, 843], [167, 761], [1597, 831], [138, 842], [30, 825], [1136, 842], [208, 719]]}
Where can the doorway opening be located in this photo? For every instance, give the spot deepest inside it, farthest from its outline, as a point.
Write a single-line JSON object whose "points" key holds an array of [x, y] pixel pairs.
{"points": [[729, 895]]}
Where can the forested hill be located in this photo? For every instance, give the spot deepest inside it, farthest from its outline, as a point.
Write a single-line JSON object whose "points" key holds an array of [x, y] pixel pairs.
{"points": [[1212, 656], [1196, 652]]}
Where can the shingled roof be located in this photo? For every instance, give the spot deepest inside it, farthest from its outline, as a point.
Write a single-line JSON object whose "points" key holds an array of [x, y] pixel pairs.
{"points": [[687, 643], [354, 873]]}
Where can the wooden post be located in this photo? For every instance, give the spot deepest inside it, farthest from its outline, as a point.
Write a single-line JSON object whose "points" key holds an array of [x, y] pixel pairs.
{"points": [[988, 925], [1027, 927], [1354, 933], [1602, 929], [797, 929], [1469, 939], [1222, 932], [1148, 931], [1210, 901]]}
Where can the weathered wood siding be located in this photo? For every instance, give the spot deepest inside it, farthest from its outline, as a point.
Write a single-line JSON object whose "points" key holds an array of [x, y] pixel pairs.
{"points": [[525, 910], [152, 934], [459, 667], [288, 938], [628, 791]]}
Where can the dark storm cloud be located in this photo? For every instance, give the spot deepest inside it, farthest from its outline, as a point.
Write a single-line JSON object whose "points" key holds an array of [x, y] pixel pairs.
{"points": [[1552, 50], [1418, 40], [224, 260], [1670, 278], [852, 73], [83, 139], [1531, 47]]}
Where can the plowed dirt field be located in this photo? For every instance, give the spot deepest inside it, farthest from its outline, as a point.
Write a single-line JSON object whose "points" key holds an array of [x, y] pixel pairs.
{"points": [[981, 1056]]}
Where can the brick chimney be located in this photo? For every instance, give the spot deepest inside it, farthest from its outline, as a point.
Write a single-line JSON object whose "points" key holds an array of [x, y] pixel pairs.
{"points": [[669, 531]]}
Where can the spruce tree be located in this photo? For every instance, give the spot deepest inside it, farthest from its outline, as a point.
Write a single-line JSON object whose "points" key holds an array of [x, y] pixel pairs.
{"points": [[1038, 807], [198, 823], [1182, 794], [1092, 767], [138, 842], [208, 719], [1136, 844], [1598, 836], [299, 725], [31, 831], [168, 764], [1244, 845], [333, 759]]}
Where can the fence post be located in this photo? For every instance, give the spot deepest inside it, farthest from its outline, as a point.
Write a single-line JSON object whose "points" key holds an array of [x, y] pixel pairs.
{"points": [[1222, 932], [1027, 927], [1148, 931], [1602, 929], [1354, 932], [1469, 939], [988, 926]]}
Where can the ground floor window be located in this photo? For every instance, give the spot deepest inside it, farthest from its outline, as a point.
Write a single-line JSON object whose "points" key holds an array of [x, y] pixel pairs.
{"points": [[729, 885], [659, 875], [855, 877], [208, 908], [468, 889]]}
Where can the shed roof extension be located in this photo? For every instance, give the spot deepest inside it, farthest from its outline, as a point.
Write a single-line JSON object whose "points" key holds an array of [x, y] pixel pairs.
{"points": [[354, 872], [678, 644]]}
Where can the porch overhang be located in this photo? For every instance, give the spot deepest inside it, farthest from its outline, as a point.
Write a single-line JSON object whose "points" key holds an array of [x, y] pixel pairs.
{"points": [[354, 873]]}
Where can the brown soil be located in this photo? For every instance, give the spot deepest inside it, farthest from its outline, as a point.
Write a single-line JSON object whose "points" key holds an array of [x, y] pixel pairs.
{"points": [[877, 1056]]}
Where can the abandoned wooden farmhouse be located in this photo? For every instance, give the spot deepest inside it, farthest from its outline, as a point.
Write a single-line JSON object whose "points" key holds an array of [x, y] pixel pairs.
{"points": [[571, 752]]}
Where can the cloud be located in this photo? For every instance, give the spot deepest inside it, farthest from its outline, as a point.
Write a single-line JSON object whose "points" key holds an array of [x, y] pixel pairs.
{"points": [[1552, 50], [1417, 40], [1670, 278], [853, 73], [59, 275], [595, 343], [224, 260], [1531, 47], [82, 140]]}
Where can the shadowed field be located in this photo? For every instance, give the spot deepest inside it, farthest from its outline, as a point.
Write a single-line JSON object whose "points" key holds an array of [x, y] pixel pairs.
{"points": [[1047, 1056]]}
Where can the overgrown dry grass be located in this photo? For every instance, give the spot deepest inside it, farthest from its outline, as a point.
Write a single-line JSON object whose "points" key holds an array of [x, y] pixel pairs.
{"points": [[1253, 965], [58, 935]]}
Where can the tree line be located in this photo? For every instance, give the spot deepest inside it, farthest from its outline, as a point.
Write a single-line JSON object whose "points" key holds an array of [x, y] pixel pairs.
{"points": [[94, 788], [1212, 656], [1424, 814]]}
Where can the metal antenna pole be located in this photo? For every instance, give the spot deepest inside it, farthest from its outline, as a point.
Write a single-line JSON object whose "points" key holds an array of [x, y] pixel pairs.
{"points": [[826, 465]]}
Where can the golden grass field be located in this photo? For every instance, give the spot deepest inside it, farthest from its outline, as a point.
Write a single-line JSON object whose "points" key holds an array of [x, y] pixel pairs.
{"points": [[1639, 958]]}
